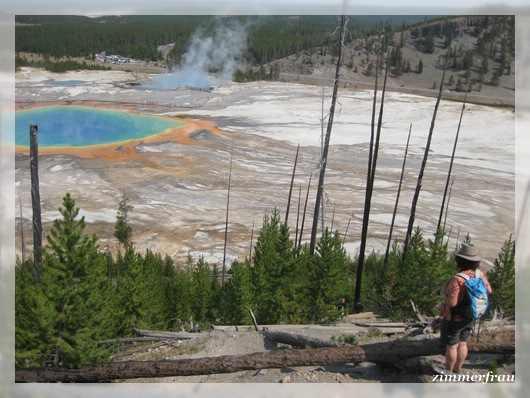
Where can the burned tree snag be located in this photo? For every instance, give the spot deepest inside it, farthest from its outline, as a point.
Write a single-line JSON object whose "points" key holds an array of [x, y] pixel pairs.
{"points": [[226, 221], [412, 216], [389, 242], [372, 165], [323, 160], [291, 187], [450, 170], [35, 198], [305, 210]]}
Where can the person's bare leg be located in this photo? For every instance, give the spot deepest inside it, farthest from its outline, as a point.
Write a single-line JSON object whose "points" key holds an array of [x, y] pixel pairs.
{"points": [[451, 354], [461, 356]]}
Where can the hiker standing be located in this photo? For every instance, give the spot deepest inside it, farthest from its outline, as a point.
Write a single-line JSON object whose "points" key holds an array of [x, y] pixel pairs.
{"points": [[456, 324]]}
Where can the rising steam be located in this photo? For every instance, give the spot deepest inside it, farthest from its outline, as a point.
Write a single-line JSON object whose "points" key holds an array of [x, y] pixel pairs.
{"points": [[211, 59]]}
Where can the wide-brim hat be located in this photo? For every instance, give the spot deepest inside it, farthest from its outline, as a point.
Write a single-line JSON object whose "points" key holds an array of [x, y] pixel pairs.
{"points": [[469, 252]]}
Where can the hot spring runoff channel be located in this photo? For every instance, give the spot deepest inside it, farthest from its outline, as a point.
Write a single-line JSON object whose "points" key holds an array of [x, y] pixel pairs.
{"points": [[70, 126]]}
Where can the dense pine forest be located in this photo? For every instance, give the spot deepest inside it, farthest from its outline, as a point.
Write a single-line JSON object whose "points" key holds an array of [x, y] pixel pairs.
{"points": [[81, 294], [269, 37]]}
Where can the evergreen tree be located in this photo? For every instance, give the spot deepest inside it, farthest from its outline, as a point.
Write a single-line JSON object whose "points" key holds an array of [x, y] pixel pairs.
{"points": [[70, 261], [151, 295], [217, 294], [428, 42], [330, 277], [274, 271], [122, 229], [380, 283], [126, 293], [496, 77], [484, 68], [183, 291], [202, 297], [34, 320], [502, 279], [422, 274], [238, 295]]}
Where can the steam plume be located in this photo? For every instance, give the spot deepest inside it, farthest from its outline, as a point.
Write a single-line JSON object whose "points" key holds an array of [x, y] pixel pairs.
{"points": [[211, 57]]}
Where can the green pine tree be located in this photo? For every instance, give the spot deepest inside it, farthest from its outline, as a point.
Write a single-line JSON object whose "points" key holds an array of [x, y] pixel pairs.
{"points": [[274, 271], [238, 295], [71, 259], [502, 279], [34, 320], [421, 275], [330, 277], [122, 229], [202, 298]]}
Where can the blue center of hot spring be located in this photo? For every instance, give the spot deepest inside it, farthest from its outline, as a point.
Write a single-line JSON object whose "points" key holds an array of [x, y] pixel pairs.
{"points": [[71, 126]]}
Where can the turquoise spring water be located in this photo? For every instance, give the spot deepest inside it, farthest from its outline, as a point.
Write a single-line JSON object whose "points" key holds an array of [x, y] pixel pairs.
{"points": [[71, 126]]}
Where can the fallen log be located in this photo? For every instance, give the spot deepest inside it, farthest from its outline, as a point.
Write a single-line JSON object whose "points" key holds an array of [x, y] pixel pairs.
{"points": [[128, 340], [298, 340], [165, 335], [500, 342], [235, 328]]}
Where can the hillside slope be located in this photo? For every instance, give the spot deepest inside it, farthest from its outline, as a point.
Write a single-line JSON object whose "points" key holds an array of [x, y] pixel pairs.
{"points": [[480, 54]]}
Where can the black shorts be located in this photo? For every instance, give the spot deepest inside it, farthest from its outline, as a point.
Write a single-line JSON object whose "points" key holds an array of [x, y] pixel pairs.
{"points": [[452, 333]]}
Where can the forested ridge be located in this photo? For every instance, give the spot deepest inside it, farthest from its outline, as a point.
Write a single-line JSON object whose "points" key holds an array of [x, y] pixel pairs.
{"points": [[270, 37], [82, 294], [481, 49]]}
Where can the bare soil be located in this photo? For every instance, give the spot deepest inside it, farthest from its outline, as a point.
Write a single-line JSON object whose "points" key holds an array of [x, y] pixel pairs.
{"points": [[247, 341]]}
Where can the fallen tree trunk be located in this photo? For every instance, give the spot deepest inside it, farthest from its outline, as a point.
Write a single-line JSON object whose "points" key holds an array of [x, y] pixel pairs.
{"points": [[128, 340], [165, 335], [299, 340], [500, 342]]}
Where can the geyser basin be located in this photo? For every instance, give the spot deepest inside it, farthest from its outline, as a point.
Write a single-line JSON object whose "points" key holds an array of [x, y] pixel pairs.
{"points": [[73, 126], [181, 79]]}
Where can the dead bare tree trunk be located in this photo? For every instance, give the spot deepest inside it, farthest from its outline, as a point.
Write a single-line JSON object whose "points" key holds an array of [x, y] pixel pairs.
{"points": [[291, 187], [447, 205], [397, 199], [357, 306], [35, 198], [386, 352], [251, 242], [332, 218], [226, 222], [346, 232], [449, 172], [323, 160], [305, 209], [298, 215], [422, 168], [22, 238]]}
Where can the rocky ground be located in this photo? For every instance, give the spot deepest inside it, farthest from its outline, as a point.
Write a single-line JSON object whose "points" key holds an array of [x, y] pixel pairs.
{"points": [[247, 341]]}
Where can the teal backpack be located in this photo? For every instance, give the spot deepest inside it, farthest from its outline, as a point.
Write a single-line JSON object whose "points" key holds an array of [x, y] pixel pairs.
{"points": [[476, 301]]}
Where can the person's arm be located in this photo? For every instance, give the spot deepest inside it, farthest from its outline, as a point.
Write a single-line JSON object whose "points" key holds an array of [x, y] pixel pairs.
{"points": [[451, 300], [451, 293], [488, 286]]}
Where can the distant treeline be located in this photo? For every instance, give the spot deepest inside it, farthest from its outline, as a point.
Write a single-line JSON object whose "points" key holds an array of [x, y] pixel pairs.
{"points": [[269, 37], [57, 66]]}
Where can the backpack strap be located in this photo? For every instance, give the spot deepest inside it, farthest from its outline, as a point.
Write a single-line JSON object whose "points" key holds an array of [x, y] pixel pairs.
{"points": [[463, 275]]}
